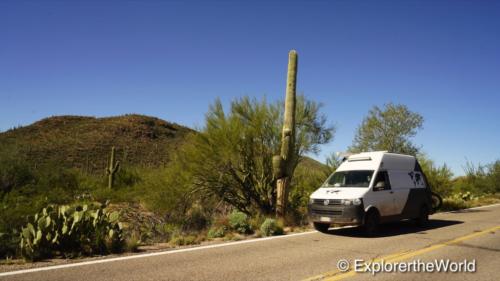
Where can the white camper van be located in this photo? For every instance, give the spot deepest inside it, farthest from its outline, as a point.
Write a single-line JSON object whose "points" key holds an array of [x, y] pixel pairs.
{"points": [[371, 188]]}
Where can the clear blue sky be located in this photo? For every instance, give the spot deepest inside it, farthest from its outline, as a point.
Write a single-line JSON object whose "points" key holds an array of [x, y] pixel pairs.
{"points": [[171, 59]]}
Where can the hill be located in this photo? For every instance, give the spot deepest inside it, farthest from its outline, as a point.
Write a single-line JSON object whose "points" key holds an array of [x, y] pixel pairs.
{"points": [[85, 142]]}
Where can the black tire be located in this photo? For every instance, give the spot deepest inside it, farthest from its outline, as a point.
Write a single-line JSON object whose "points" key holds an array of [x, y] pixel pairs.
{"points": [[321, 227], [371, 223], [423, 217]]}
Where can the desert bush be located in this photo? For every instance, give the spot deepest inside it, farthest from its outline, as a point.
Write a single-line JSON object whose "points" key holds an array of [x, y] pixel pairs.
{"points": [[184, 240], [494, 176], [165, 231], [164, 191], [271, 227], [305, 181], [217, 232], [196, 219], [238, 221], [132, 243], [256, 221], [71, 231], [234, 237], [438, 177], [480, 179], [14, 172], [220, 227], [9, 242], [127, 177], [465, 196], [454, 203]]}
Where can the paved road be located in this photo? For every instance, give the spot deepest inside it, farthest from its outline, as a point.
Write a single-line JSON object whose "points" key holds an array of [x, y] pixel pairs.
{"points": [[469, 234]]}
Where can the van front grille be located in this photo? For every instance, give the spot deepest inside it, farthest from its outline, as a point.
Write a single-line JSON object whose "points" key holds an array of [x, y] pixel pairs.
{"points": [[327, 212], [330, 201]]}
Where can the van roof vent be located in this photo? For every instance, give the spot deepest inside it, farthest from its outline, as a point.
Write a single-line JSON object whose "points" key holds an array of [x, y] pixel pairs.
{"points": [[359, 158]]}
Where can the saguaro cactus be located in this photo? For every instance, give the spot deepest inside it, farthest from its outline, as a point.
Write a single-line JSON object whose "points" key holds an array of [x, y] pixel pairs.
{"points": [[112, 168], [284, 164]]}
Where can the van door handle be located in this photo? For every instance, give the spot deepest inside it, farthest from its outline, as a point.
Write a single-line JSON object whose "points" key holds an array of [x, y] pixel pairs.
{"points": [[391, 192]]}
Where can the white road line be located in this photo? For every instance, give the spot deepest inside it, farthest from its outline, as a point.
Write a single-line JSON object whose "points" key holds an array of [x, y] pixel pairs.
{"points": [[169, 252], [151, 254]]}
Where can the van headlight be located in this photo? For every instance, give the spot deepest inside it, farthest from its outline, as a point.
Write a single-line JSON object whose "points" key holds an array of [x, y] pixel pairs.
{"points": [[311, 201], [348, 202]]}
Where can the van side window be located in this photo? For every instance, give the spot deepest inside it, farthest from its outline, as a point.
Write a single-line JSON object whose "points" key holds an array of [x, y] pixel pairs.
{"points": [[382, 181]]}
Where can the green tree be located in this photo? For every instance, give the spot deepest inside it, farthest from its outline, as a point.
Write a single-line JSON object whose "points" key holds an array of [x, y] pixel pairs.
{"points": [[231, 158], [333, 161], [390, 128]]}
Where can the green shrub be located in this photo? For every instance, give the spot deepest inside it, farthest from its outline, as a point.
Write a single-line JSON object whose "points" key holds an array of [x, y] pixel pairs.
{"points": [[15, 172], [271, 227], [196, 219], [306, 180], [8, 244], [217, 232], [127, 177], [438, 177], [183, 240], [465, 196], [164, 190], [454, 203], [132, 243], [256, 221], [238, 221], [71, 231], [165, 231], [234, 237]]}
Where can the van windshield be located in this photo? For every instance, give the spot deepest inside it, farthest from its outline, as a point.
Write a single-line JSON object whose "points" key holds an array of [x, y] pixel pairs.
{"points": [[350, 179]]}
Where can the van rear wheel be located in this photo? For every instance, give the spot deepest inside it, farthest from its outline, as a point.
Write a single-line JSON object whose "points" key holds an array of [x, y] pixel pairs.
{"points": [[321, 227], [423, 217]]}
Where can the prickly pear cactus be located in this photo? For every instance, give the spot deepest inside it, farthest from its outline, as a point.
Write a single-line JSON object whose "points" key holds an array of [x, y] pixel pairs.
{"points": [[71, 231]]}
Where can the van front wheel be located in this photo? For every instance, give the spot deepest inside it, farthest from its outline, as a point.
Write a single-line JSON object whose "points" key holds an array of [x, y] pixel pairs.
{"points": [[371, 223], [321, 227]]}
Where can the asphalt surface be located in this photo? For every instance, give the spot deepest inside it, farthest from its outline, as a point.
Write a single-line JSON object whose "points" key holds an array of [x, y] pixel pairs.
{"points": [[470, 234]]}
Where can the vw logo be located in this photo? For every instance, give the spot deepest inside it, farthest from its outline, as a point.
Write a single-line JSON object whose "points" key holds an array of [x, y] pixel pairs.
{"points": [[326, 202]]}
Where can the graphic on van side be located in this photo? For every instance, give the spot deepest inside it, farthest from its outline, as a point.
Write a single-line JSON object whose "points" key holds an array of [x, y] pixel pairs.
{"points": [[416, 177]]}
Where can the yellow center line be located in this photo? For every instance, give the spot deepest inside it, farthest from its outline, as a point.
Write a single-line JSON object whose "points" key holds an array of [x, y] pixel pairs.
{"points": [[339, 275]]}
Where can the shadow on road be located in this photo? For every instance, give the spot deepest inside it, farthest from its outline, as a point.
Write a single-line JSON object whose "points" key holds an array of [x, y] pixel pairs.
{"points": [[395, 228]]}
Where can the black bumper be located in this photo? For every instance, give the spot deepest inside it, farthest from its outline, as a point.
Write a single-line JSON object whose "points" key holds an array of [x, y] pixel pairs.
{"points": [[336, 214]]}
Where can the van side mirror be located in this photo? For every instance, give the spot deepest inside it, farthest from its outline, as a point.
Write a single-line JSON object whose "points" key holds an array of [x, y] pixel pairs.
{"points": [[379, 185]]}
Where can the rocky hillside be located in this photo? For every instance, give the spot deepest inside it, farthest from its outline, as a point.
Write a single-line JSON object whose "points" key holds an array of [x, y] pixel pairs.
{"points": [[85, 142]]}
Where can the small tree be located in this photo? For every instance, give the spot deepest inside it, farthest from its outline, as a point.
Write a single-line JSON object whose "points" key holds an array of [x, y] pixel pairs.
{"points": [[231, 158], [333, 161], [390, 128]]}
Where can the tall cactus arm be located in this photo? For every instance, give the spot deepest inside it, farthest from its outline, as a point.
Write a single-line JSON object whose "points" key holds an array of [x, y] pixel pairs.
{"points": [[283, 164]]}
